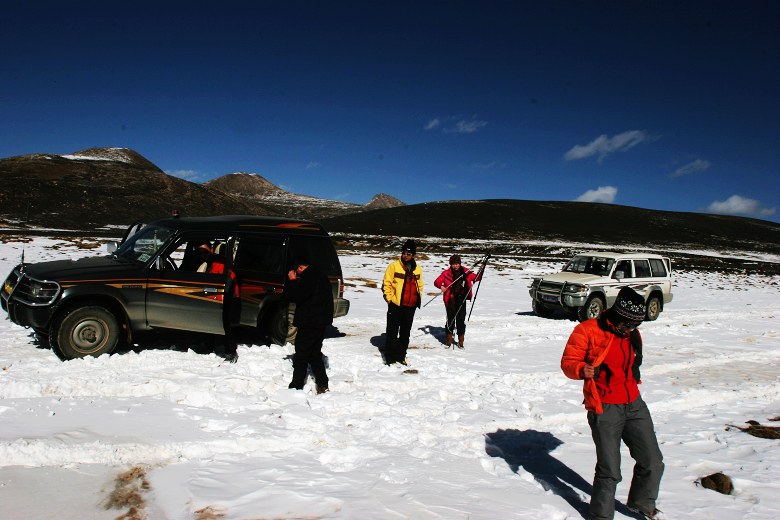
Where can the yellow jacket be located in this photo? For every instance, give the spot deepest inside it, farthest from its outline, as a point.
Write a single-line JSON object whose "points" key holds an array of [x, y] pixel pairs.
{"points": [[393, 283]]}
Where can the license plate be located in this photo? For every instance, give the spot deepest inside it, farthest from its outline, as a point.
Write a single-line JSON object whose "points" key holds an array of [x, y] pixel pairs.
{"points": [[548, 298]]}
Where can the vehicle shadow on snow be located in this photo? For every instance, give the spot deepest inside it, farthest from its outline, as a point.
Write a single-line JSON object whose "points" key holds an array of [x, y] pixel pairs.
{"points": [[531, 450], [205, 344], [558, 314]]}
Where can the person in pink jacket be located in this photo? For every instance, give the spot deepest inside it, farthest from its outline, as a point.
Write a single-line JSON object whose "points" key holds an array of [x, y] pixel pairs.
{"points": [[456, 283], [606, 353]]}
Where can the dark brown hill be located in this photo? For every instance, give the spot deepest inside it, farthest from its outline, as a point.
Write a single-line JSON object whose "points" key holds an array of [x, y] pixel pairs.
{"points": [[575, 222], [243, 184], [103, 186], [383, 200], [256, 189]]}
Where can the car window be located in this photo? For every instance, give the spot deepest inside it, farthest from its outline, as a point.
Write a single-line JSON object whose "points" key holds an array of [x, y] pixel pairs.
{"points": [[576, 264], [657, 267], [187, 254], [319, 251], [261, 254], [625, 267], [642, 268], [143, 245]]}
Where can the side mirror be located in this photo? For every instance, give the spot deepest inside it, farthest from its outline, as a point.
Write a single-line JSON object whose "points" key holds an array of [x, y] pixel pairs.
{"points": [[619, 275], [112, 246]]}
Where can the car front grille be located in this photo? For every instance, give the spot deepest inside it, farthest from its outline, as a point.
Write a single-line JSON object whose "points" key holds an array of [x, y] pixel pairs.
{"points": [[29, 291]]}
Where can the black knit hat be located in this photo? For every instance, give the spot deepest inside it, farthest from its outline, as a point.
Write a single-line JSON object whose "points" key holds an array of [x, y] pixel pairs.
{"points": [[455, 259], [411, 246], [629, 306]]}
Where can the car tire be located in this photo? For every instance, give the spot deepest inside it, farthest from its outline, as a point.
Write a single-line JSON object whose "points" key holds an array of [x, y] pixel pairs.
{"points": [[541, 309], [86, 331], [653, 308], [592, 308], [280, 328]]}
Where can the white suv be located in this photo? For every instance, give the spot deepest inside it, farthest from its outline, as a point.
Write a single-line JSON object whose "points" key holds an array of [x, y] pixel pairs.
{"points": [[590, 282]]}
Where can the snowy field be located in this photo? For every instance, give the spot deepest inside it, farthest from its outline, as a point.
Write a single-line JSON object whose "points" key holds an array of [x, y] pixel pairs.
{"points": [[495, 431]]}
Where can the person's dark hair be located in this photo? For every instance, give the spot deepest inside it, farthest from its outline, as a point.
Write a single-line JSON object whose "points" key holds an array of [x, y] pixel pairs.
{"points": [[300, 259]]}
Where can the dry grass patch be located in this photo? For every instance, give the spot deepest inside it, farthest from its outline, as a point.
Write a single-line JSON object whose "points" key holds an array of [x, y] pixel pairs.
{"points": [[128, 492]]}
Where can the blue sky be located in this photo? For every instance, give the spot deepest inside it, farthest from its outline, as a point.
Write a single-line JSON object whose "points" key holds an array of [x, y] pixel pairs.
{"points": [[668, 105]]}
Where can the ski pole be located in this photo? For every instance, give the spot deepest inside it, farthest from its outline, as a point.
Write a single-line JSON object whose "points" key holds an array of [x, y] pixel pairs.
{"points": [[479, 284], [444, 290]]}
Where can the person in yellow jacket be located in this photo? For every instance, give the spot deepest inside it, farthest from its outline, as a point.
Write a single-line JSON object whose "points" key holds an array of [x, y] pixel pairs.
{"points": [[402, 289]]}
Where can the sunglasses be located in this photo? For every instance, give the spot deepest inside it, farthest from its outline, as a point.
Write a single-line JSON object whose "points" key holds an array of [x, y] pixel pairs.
{"points": [[626, 326]]}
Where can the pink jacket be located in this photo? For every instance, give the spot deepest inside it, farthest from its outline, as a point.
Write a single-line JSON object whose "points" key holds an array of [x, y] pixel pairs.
{"points": [[446, 278]]}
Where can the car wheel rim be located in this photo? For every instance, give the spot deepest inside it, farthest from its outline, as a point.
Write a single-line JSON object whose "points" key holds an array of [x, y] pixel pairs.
{"points": [[89, 335], [653, 309]]}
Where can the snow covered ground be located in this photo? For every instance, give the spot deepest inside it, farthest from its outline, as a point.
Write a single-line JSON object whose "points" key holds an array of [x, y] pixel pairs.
{"points": [[490, 432]]}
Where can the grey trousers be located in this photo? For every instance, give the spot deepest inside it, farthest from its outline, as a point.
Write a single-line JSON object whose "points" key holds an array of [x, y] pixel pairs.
{"points": [[632, 424]]}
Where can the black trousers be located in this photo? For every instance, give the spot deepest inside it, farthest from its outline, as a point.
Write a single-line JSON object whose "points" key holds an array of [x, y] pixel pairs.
{"points": [[399, 326], [308, 352], [456, 316]]}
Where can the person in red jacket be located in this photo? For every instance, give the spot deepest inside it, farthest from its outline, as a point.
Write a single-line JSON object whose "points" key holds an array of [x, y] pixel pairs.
{"points": [[456, 283], [606, 353]]}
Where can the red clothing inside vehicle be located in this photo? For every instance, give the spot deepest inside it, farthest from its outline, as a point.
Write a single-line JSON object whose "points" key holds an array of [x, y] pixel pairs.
{"points": [[217, 267]]}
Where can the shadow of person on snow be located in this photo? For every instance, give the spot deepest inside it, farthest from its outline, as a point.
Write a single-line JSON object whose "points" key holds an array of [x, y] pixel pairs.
{"points": [[439, 333], [530, 449]]}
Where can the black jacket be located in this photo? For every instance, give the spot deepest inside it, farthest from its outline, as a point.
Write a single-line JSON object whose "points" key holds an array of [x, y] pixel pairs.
{"points": [[313, 298]]}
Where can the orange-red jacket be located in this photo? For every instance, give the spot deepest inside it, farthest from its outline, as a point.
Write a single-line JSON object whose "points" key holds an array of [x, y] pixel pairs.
{"points": [[590, 343]]}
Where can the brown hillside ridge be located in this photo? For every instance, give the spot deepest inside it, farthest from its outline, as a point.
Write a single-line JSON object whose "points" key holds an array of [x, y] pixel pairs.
{"points": [[245, 184], [102, 190], [100, 187], [257, 189]]}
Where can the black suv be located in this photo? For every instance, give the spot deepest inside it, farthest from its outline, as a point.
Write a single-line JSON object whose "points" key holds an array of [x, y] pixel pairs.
{"points": [[153, 281]]}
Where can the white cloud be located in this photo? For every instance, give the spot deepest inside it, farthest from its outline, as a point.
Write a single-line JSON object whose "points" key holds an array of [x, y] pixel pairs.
{"points": [[605, 194], [466, 127], [433, 123], [456, 125], [312, 165], [604, 145], [738, 205], [485, 166], [187, 175], [699, 165]]}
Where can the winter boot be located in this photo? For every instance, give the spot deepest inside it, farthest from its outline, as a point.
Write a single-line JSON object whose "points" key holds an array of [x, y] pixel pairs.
{"points": [[449, 339], [460, 340]]}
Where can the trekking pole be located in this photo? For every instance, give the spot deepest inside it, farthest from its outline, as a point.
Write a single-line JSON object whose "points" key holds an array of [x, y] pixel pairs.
{"points": [[482, 261], [479, 283]]}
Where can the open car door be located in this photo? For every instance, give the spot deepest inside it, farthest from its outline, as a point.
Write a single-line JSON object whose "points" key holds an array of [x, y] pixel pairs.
{"points": [[183, 295]]}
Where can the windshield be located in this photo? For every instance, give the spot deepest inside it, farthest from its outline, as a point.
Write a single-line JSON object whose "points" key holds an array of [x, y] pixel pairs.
{"points": [[142, 246], [597, 265]]}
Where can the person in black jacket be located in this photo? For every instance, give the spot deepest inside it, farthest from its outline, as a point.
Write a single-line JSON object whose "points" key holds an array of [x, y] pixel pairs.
{"points": [[310, 290]]}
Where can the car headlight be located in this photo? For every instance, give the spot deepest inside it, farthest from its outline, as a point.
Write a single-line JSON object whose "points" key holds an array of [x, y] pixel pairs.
{"points": [[575, 288], [42, 293]]}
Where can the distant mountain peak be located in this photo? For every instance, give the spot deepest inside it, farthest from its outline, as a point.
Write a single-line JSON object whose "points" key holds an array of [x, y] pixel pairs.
{"points": [[249, 185], [125, 155], [383, 200]]}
